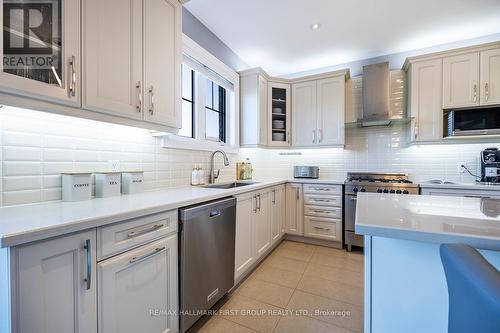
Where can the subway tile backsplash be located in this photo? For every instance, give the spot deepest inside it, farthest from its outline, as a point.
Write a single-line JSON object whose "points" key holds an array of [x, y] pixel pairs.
{"points": [[36, 147]]}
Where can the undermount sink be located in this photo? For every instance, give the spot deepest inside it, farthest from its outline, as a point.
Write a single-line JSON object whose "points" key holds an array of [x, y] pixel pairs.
{"points": [[229, 185]]}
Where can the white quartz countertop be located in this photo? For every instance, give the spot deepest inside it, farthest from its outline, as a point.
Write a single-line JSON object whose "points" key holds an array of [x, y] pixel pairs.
{"points": [[434, 219], [28, 223], [462, 186]]}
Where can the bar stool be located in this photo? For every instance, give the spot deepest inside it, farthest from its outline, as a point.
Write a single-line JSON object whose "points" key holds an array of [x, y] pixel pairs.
{"points": [[473, 289]]}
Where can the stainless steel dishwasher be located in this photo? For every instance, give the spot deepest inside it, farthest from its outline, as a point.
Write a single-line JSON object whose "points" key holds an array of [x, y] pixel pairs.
{"points": [[206, 246]]}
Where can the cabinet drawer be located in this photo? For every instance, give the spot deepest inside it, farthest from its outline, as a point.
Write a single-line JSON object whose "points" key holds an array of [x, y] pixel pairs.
{"points": [[323, 211], [125, 235], [323, 189], [323, 228], [323, 200]]}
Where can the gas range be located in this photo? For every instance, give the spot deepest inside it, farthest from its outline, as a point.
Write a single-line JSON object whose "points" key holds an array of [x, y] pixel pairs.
{"points": [[391, 183], [383, 183]]}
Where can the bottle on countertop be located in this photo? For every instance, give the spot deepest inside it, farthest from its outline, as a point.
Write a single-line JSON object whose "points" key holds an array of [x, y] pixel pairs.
{"points": [[194, 176], [201, 176], [248, 169]]}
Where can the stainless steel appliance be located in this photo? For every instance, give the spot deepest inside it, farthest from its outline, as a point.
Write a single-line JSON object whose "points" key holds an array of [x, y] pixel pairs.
{"points": [[383, 183], [305, 172], [479, 121], [490, 166], [207, 236]]}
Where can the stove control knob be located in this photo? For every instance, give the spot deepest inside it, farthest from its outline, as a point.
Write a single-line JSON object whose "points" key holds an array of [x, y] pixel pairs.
{"points": [[398, 191], [355, 190], [406, 192], [379, 190], [363, 190], [386, 191], [393, 191]]}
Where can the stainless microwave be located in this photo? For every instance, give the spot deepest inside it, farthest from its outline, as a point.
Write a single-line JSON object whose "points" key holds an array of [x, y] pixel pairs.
{"points": [[481, 121]]}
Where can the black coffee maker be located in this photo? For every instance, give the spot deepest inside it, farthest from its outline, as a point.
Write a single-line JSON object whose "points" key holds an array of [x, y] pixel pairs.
{"points": [[490, 166]]}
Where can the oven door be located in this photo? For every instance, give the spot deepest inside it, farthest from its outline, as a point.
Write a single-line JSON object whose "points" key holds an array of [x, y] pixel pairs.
{"points": [[350, 211]]}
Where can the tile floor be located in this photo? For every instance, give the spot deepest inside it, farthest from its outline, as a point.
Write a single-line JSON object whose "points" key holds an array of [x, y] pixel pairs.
{"points": [[288, 288]]}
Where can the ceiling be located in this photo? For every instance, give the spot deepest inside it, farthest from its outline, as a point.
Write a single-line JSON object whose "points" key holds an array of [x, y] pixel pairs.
{"points": [[277, 34]]}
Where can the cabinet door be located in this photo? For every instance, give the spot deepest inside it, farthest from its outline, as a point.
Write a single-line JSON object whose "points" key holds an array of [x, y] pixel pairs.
{"points": [[425, 100], [262, 223], [41, 50], [279, 114], [162, 62], [331, 111], [490, 77], [278, 213], [138, 284], [55, 285], [246, 207], [304, 114], [294, 209], [112, 57], [262, 111], [461, 80]]}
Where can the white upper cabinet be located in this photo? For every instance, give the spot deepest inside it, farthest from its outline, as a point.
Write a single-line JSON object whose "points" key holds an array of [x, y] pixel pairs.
{"points": [[425, 88], [318, 111], [331, 111], [162, 61], [490, 77], [41, 50], [55, 285], [253, 109], [112, 57], [279, 114], [304, 114], [461, 80]]}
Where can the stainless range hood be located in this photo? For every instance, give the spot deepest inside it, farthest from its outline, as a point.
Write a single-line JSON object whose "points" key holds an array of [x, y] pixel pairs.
{"points": [[376, 87]]}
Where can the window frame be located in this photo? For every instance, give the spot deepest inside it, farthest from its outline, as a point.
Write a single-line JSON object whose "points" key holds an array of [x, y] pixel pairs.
{"points": [[231, 128], [192, 102]]}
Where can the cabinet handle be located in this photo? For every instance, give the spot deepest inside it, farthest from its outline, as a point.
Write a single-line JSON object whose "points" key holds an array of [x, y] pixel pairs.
{"points": [[274, 196], [155, 251], [139, 96], [321, 200], [297, 192], [72, 67], [415, 130], [151, 100], [313, 135], [321, 189], [139, 232], [323, 212], [88, 278], [259, 200], [320, 136], [486, 92], [476, 196], [475, 92], [255, 198], [288, 137], [319, 228]]}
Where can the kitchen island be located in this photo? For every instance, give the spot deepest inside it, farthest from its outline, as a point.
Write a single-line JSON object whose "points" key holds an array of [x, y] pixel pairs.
{"points": [[405, 284]]}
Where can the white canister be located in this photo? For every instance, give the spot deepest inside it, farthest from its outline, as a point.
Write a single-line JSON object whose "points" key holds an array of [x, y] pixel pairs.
{"points": [[76, 186], [107, 184], [132, 182]]}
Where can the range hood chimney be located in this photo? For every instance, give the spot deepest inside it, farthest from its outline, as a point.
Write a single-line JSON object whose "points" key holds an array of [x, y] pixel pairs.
{"points": [[376, 87]]}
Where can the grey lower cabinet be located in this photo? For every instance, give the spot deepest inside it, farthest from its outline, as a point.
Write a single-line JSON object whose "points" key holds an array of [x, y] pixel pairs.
{"points": [[118, 278], [54, 285], [138, 289]]}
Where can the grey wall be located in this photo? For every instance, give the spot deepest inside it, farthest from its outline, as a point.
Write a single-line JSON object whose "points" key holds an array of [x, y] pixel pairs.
{"points": [[198, 32], [396, 60]]}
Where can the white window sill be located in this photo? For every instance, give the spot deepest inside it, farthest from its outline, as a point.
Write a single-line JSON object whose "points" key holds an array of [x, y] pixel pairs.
{"points": [[179, 142]]}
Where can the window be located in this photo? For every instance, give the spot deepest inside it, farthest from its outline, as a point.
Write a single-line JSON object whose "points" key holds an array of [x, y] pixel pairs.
{"points": [[210, 105], [215, 111], [187, 129]]}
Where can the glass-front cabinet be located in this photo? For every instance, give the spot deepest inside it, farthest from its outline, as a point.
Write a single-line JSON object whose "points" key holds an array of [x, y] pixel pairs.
{"points": [[41, 49], [279, 115]]}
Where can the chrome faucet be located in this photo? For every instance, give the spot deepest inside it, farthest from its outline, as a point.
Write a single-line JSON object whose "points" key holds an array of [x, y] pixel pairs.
{"points": [[213, 176]]}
